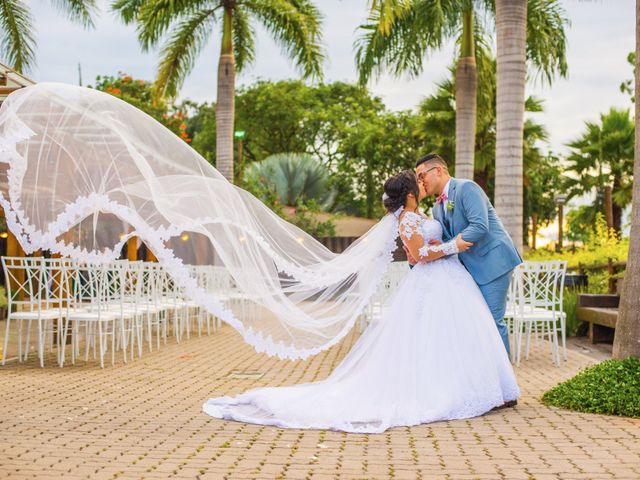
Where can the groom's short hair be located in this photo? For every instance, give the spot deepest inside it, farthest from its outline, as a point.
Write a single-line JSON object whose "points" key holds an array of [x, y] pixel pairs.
{"points": [[433, 158]]}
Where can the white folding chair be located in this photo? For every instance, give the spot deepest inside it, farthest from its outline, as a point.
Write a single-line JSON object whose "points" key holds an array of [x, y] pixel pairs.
{"points": [[536, 306], [29, 299], [93, 311]]}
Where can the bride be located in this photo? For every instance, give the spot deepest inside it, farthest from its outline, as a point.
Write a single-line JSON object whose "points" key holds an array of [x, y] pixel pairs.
{"points": [[434, 355]]}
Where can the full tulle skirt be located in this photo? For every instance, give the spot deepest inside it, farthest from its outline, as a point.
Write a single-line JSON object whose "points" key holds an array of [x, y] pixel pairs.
{"points": [[434, 355]]}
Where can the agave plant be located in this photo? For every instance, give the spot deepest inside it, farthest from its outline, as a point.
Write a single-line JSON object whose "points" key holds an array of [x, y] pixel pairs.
{"points": [[294, 178]]}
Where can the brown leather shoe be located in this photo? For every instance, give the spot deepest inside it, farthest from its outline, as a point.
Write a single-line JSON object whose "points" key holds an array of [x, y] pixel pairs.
{"points": [[509, 404]]}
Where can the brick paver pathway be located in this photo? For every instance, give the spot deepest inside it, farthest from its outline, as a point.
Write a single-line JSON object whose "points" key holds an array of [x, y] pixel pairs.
{"points": [[144, 420]]}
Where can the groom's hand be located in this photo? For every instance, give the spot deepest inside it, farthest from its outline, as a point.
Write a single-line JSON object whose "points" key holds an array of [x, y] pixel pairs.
{"points": [[462, 245]]}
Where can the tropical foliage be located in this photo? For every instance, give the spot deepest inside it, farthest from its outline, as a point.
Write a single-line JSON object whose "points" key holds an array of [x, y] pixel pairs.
{"points": [[182, 28], [602, 243], [139, 94], [294, 179], [17, 31], [603, 157]]}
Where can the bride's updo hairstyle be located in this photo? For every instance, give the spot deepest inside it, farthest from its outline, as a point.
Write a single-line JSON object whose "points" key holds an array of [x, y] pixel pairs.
{"points": [[397, 188]]}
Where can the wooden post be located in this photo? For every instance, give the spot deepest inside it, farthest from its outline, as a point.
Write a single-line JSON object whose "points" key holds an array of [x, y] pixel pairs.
{"points": [[560, 227], [132, 249], [611, 269], [150, 256]]}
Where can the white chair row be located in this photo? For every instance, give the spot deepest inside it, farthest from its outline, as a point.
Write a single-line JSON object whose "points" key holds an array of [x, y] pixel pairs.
{"points": [[119, 306], [535, 307]]}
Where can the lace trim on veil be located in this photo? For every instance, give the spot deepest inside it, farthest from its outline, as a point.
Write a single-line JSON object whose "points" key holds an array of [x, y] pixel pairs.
{"points": [[31, 239]]}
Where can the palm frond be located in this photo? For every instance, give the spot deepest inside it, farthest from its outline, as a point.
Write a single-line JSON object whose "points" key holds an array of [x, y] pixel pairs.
{"points": [[181, 49], [533, 104], [127, 10], [243, 39], [81, 11], [155, 18], [296, 25], [422, 27], [17, 45], [546, 38], [389, 11]]}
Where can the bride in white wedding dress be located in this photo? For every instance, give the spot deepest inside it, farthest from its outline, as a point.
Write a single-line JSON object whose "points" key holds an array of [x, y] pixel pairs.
{"points": [[435, 354]]}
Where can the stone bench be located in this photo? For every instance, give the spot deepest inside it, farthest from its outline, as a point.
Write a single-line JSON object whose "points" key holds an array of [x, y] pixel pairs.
{"points": [[601, 313]]}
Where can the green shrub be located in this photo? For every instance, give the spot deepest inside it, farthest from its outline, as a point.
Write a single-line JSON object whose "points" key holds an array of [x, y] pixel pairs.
{"points": [[3, 297], [611, 387], [603, 244]]}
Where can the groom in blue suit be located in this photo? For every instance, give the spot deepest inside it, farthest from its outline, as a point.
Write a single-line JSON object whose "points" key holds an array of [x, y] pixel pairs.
{"points": [[463, 208]]}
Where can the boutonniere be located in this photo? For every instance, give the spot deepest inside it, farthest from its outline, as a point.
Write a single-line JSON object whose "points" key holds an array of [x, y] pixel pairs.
{"points": [[450, 206]]}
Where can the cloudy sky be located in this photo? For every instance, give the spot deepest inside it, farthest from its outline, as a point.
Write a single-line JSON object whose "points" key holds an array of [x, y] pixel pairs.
{"points": [[600, 37]]}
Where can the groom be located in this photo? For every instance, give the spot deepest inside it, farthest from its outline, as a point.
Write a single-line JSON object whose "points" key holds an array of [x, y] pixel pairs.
{"points": [[463, 208]]}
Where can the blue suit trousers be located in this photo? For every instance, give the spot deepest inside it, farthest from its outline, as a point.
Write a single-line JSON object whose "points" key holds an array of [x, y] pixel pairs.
{"points": [[495, 294]]}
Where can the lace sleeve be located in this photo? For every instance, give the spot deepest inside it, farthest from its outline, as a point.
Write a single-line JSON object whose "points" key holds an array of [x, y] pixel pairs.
{"points": [[449, 248], [409, 225]]}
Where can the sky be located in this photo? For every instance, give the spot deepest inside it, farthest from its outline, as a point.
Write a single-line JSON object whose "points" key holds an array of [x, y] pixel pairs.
{"points": [[600, 36]]}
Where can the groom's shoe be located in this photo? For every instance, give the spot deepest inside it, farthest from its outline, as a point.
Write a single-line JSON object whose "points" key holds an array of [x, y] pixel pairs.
{"points": [[509, 404]]}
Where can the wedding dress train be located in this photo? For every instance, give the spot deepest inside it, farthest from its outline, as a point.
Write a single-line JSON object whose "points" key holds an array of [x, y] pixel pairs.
{"points": [[434, 355]]}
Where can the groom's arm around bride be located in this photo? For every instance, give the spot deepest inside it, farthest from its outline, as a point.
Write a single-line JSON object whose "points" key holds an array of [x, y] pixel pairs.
{"points": [[463, 208]]}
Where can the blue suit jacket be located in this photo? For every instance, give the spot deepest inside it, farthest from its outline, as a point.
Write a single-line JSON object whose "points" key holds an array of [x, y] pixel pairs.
{"points": [[493, 253]]}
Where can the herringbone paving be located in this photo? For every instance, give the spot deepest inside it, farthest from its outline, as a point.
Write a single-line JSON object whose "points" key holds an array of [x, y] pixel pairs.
{"points": [[144, 420]]}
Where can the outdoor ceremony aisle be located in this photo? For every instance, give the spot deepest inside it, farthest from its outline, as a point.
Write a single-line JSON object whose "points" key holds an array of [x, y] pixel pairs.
{"points": [[144, 420]]}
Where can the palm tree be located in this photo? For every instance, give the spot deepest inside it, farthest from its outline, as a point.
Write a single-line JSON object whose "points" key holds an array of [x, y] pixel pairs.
{"points": [[17, 41], [185, 27], [400, 33], [627, 339], [601, 160]]}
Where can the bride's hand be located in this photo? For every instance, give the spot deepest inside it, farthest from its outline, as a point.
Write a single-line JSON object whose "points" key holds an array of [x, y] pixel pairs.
{"points": [[410, 259], [462, 245]]}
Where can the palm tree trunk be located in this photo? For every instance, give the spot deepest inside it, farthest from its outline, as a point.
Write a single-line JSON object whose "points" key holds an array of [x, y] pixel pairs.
{"points": [[511, 19], [608, 206], [466, 100], [225, 103], [615, 208], [627, 339]]}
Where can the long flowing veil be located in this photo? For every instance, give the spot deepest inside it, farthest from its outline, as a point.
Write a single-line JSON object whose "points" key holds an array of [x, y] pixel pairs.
{"points": [[81, 172]]}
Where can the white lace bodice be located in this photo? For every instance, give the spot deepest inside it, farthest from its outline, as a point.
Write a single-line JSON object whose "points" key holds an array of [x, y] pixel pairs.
{"points": [[413, 223]]}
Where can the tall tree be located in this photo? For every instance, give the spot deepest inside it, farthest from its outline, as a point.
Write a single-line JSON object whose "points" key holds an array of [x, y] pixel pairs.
{"points": [[627, 338], [17, 39], [184, 27], [400, 34]]}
